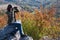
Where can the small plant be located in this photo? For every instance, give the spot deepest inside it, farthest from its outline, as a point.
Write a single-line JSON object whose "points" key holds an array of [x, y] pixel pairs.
{"points": [[41, 23]]}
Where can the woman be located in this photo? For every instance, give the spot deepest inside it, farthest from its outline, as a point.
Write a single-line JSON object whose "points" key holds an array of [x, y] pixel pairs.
{"points": [[12, 19]]}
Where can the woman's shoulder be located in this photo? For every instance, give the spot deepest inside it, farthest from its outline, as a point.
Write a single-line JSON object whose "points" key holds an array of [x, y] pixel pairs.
{"points": [[7, 12]]}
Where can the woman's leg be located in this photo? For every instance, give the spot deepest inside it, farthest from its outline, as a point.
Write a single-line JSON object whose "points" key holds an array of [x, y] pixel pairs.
{"points": [[19, 27]]}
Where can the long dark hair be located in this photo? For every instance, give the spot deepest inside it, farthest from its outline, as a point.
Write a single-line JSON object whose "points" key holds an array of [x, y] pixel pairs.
{"points": [[9, 7]]}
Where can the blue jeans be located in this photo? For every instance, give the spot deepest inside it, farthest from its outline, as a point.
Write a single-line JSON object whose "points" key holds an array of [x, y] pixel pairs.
{"points": [[17, 26], [10, 30]]}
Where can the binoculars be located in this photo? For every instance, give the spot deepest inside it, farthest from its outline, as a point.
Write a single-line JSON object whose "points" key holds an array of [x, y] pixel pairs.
{"points": [[15, 9]]}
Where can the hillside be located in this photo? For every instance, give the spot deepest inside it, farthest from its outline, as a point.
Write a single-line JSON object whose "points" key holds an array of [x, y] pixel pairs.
{"points": [[4, 6], [32, 3]]}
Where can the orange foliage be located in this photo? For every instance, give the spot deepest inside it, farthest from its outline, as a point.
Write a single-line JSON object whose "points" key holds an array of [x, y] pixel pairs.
{"points": [[3, 21], [41, 19], [44, 18]]}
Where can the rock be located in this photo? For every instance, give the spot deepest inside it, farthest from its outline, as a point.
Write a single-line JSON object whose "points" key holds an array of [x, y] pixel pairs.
{"points": [[46, 38], [26, 38], [11, 33]]}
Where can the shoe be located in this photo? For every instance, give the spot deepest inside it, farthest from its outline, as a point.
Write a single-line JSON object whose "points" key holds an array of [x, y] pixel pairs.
{"points": [[23, 35]]}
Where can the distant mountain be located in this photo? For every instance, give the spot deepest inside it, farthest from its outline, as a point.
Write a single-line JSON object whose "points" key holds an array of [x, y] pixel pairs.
{"points": [[33, 3], [4, 6], [30, 5]]}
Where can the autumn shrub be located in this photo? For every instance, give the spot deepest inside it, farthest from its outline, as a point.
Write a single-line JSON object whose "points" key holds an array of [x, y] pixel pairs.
{"points": [[39, 23], [44, 23], [3, 19]]}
